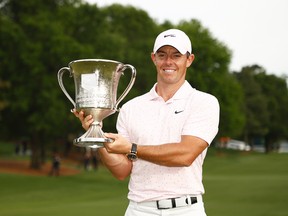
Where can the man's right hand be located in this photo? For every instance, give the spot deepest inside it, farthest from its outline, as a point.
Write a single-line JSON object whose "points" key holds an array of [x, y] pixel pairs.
{"points": [[85, 121]]}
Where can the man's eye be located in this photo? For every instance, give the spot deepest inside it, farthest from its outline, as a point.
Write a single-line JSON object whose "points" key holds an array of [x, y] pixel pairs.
{"points": [[177, 56]]}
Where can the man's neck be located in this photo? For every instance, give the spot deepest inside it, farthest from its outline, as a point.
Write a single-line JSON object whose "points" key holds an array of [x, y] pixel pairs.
{"points": [[168, 91]]}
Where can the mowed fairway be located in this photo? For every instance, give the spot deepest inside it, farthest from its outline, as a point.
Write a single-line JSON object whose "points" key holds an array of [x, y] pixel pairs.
{"points": [[246, 184], [237, 184], [84, 194]]}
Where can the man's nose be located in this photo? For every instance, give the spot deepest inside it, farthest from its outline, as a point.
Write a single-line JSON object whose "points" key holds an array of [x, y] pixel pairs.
{"points": [[169, 60]]}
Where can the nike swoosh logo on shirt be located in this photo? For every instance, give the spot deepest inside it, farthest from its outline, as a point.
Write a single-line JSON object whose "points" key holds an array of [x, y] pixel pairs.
{"points": [[177, 112]]}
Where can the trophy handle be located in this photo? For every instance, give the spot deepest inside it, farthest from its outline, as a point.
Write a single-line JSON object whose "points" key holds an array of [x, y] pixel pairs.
{"points": [[60, 81], [128, 88]]}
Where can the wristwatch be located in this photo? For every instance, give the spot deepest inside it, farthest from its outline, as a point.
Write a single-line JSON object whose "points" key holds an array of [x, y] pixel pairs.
{"points": [[133, 154]]}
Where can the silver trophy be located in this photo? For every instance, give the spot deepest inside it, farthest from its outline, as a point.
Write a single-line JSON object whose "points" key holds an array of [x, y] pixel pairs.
{"points": [[96, 83]]}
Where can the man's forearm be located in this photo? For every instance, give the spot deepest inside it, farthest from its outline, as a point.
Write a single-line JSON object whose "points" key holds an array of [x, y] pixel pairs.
{"points": [[118, 164]]}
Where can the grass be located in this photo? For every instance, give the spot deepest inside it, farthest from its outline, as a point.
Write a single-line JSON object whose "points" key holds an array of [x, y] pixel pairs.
{"points": [[246, 184], [236, 183], [84, 194]]}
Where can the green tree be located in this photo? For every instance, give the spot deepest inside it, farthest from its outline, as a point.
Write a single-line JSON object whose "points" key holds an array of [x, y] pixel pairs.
{"points": [[40, 37], [127, 28], [37, 39], [209, 72], [275, 90], [255, 109], [35, 46]]}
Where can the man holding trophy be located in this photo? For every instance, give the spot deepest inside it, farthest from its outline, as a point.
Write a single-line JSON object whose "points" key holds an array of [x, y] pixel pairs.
{"points": [[163, 136]]}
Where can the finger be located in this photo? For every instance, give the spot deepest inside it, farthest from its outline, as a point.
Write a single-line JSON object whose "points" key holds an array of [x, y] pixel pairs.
{"points": [[88, 118], [87, 121], [74, 111], [81, 115], [111, 135]]}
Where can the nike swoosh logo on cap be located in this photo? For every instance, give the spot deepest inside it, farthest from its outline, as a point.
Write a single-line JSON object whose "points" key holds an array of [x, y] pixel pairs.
{"points": [[170, 35]]}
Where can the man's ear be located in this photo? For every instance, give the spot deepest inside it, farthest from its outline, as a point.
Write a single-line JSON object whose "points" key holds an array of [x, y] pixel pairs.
{"points": [[153, 58], [190, 60]]}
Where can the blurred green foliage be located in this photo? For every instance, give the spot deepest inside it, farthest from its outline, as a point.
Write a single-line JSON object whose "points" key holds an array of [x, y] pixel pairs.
{"points": [[39, 37]]}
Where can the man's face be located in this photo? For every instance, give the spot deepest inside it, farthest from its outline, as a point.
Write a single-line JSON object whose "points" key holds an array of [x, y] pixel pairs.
{"points": [[171, 65]]}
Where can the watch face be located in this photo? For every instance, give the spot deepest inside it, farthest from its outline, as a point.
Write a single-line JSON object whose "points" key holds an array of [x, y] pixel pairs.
{"points": [[132, 156]]}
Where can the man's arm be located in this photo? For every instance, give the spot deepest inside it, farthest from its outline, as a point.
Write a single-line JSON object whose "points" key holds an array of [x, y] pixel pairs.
{"points": [[174, 154], [170, 154], [118, 164]]}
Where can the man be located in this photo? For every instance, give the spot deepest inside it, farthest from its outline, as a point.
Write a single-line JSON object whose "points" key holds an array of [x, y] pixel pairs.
{"points": [[163, 136]]}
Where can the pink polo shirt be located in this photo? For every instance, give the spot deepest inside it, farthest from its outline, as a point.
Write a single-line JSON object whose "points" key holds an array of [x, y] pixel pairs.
{"points": [[149, 120]]}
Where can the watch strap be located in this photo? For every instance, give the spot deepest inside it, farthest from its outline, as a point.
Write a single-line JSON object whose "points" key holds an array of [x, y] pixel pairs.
{"points": [[134, 148], [132, 155]]}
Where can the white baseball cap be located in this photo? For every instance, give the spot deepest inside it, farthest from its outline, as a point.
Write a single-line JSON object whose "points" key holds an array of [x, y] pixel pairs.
{"points": [[173, 37]]}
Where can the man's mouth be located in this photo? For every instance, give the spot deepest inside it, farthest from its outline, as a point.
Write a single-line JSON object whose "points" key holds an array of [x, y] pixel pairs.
{"points": [[168, 70]]}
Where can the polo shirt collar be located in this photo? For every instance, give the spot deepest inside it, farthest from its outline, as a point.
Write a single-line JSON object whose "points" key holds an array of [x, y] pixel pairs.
{"points": [[182, 92]]}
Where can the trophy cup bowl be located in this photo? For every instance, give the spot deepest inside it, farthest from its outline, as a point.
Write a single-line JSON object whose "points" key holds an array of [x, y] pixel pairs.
{"points": [[96, 83]]}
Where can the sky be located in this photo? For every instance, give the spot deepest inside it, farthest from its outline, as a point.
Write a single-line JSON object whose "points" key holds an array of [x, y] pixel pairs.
{"points": [[256, 31]]}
